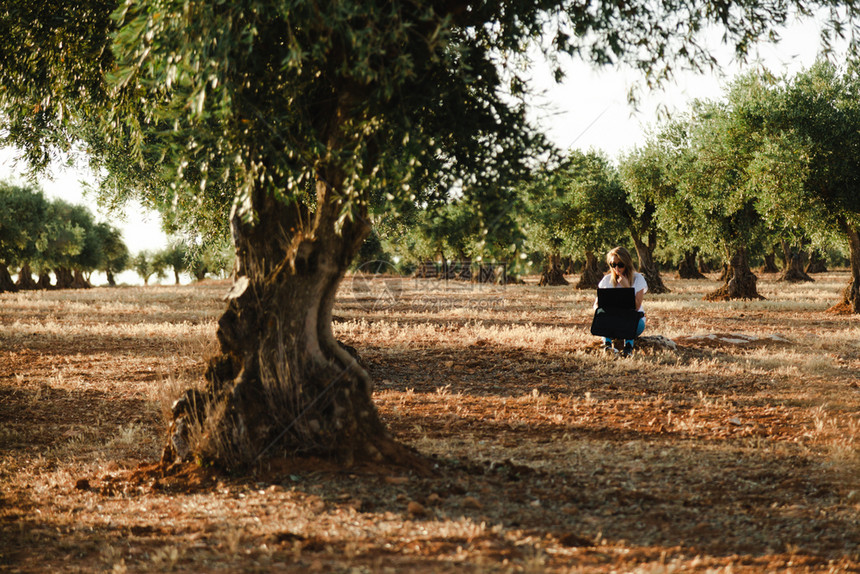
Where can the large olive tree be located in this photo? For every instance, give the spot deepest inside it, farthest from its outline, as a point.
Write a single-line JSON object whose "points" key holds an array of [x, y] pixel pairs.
{"points": [[807, 171], [297, 114], [714, 191]]}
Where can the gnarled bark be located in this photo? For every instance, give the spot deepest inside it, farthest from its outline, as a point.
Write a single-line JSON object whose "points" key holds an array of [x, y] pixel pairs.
{"points": [[688, 268], [282, 384], [25, 278], [794, 264], [591, 273], [65, 279], [45, 280], [647, 266], [816, 263], [770, 264], [79, 281], [851, 294], [6, 283], [553, 275], [740, 280]]}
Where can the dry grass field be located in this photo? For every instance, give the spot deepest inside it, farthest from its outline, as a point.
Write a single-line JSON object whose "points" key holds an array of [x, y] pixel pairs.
{"points": [[737, 452]]}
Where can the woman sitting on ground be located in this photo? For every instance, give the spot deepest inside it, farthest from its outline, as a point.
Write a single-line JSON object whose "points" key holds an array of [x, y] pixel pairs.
{"points": [[622, 273]]}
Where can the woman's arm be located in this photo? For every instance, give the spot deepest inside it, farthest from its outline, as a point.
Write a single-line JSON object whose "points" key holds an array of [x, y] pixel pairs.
{"points": [[641, 286]]}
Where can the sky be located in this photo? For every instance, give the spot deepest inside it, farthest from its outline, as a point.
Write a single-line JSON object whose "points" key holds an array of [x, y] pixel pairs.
{"points": [[589, 109], [141, 228]]}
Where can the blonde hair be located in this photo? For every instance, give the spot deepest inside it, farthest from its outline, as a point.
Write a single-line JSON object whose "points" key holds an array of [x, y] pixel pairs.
{"points": [[624, 256]]}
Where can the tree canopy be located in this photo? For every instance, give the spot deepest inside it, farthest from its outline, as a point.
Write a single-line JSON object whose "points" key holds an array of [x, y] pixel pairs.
{"points": [[214, 100]]}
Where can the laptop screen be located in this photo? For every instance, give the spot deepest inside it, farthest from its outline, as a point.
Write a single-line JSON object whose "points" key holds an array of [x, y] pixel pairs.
{"points": [[622, 298]]}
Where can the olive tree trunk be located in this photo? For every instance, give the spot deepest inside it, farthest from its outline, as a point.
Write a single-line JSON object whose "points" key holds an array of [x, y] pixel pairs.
{"points": [[740, 280], [794, 264], [647, 266], [851, 294], [282, 384], [553, 275], [79, 281], [689, 268], [25, 278], [45, 280], [6, 283], [770, 263], [705, 266], [568, 265], [65, 279], [816, 264], [591, 273]]}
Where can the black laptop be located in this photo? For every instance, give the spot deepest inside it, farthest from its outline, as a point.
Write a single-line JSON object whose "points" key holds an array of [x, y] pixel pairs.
{"points": [[616, 316], [617, 299]]}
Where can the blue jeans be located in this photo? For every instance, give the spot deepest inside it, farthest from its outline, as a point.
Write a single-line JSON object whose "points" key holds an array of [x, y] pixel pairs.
{"points": [[639, 329]]}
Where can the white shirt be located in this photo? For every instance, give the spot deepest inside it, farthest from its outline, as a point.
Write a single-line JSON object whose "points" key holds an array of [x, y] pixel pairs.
{"points": [[639, 284]]}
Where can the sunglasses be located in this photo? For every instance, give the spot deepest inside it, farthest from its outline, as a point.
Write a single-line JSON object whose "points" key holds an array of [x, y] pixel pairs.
{"points": [[618, 265]]}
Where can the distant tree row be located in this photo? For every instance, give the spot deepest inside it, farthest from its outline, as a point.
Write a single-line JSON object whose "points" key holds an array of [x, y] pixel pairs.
{"points": [[770, 172], [178, 257], [41, 237]]}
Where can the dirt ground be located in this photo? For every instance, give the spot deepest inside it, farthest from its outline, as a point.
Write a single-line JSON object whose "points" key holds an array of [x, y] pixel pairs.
{"points": [[736, 451]]}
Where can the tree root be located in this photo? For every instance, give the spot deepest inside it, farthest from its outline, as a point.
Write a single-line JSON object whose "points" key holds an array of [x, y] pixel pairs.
{"points": [[796, 275], [553, 276]]}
